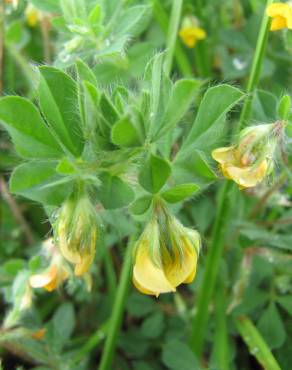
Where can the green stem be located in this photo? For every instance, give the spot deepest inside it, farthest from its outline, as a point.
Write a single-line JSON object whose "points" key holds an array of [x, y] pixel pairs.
{"points": [[210, 274], [110, 273], [256, 67], [2, 33], [180, 57], [215, 250], [202, 59], [256, 344], [172, 34], [221, 347], [117, 312]]}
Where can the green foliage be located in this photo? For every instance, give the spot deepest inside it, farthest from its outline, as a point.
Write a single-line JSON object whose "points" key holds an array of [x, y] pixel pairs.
{"points": [[103, 116]]}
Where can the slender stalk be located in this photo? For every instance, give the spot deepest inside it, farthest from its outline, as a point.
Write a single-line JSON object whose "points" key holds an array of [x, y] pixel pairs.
{"points": [[180, 57], [215, 250], [200, 52], [221, 336], [117, 312], [256, 344], [172, 33], [256, 67], [2, 9], [210, 274]]}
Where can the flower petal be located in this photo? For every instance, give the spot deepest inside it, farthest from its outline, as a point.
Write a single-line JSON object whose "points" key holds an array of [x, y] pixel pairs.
{"points": [[276, 9], [46, 279], [278, 23], [147, 277], [181, 269], [247, 177], [224, 154]]}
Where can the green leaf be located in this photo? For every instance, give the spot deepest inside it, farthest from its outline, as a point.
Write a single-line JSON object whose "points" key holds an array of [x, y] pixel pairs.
{"points": [[176, 355], [154, 174], [264, 106], [124, 133], [132, 20], [153, 326], [95, 17], [284, 107], [183, 95], [141, 205], [139, 305], [30, 135], [59, 103], [286, 303], [179, 192], [256, 344], [64, 322], [216, 103], [193, 167], [52, 6], [108, 110], [84, 72], [114, 192], [38, 180], [271, 327]]}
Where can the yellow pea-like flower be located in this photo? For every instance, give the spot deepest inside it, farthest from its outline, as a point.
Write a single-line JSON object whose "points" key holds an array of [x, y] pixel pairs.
{"points": [[77, 232], [54, 275], [190, 32], [281, 14], [32, 15], [165, 257], [251, 159]]}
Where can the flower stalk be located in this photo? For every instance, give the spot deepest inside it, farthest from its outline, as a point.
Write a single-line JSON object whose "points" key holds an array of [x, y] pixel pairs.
{"points": [[118, 310], [217, 242]]}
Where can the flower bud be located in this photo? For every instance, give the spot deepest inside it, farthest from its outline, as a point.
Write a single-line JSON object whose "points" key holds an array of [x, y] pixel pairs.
{"points": [[250, 160], [76, 231], [165, 255]]}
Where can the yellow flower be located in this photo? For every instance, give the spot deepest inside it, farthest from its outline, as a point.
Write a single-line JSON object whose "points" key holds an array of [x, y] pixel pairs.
{"points": [[165, 257], [281, 14], [54, 275], [190, 32], [77, 232], [251, 160], [32, 15]]}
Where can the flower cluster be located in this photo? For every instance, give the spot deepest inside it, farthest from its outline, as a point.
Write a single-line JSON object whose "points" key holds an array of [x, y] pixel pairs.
{"points": [[250, 160], [165, 255]]}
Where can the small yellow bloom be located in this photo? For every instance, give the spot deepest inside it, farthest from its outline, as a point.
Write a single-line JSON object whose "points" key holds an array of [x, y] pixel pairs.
{"points": [[190, 32], [165, 257], [251, 160], [32, 15], [281, 14], [54, 275]]}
